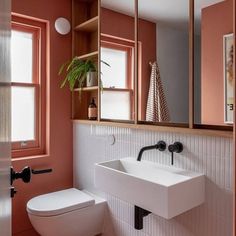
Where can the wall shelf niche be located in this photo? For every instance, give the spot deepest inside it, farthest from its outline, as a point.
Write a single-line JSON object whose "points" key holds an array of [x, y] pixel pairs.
{"points": [[85, 45]]}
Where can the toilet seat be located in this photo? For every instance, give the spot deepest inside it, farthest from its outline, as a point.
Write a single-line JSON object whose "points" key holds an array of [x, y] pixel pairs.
{"points": [[60, 202]]}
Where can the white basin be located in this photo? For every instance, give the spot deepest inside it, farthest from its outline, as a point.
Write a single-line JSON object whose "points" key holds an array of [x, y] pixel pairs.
{"points": [[163, 190]]}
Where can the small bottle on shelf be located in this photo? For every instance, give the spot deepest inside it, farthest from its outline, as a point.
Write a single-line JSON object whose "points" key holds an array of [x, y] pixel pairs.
{"points": [[92, 110]]}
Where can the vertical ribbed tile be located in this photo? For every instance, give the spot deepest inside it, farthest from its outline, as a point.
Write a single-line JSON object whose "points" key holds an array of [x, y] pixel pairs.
{"points": [[209, 155]]}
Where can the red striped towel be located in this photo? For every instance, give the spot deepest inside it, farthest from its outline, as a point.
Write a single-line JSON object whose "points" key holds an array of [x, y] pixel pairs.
{"points": [[157, 109]]}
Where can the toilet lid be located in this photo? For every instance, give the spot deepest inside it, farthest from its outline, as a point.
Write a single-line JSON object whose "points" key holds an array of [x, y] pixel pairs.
{"points": [[60, 202]]}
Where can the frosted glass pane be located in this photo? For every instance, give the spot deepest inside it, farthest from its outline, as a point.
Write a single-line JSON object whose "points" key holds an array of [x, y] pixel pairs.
{"points": [[115, 75], [21, 57], [23, 114], [5, 98], [115, 105]]}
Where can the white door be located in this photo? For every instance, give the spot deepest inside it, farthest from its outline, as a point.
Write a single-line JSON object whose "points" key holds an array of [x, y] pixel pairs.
{"points": [[5, 119]]}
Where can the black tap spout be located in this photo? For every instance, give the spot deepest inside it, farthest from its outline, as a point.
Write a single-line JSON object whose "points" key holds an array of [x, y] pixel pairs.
{"points": [[145, 149], [161, 146]]}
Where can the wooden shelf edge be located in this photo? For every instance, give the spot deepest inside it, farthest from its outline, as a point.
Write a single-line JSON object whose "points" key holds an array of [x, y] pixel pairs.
{"points": [[86, 89], [90, 25], [117, 89], [202, 132], [89, 55], [87, 122]]}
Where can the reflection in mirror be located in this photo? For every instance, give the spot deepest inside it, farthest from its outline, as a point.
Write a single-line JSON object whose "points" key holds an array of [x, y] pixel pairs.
{"points": [[117, 50], [163, 42], [213, 77]]}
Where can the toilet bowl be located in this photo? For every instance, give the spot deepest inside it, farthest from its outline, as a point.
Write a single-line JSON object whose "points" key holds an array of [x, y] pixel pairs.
{"points": [[69, 212]]}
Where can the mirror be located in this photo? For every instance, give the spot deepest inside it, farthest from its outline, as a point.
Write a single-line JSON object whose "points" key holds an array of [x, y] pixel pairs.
{"points": [[213, 78], [117, 50], [163, 61]]}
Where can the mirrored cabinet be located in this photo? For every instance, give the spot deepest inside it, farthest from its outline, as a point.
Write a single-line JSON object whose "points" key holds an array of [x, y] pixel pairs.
{"points": [[213, 63], [163, 61], [117, 60], [159, 63]]}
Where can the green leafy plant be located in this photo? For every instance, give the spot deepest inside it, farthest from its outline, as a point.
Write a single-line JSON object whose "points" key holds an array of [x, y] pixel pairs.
{"points": [[76, 72]]}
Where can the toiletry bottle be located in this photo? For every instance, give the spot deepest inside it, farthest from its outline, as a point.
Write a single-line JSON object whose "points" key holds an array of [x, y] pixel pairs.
{"points": [[92, 110]]}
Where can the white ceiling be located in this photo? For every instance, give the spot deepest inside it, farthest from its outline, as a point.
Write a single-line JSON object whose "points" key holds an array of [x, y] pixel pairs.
{"points": [[171, 12]]}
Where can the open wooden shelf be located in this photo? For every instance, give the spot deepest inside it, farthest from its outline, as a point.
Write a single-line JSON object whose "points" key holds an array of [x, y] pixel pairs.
{"points": [[86, 121], [90, 25], [93, 88], [89, 55], [117, 89], [215, 133]]}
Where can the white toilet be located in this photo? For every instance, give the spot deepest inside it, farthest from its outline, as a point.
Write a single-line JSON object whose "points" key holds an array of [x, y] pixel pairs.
{"points": [[69, 212]]}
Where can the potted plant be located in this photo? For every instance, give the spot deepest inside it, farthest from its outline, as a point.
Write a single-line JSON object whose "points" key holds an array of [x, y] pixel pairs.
{"points": [[77, 71], [80, 73], [91, 78]]}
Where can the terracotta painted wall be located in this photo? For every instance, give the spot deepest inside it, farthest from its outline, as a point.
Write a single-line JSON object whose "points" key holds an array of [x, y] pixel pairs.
{"points": [[125, 29], [60, 141], [216, 21]]}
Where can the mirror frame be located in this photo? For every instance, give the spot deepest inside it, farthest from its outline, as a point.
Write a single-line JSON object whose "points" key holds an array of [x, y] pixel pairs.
{"points": [[191, 127]]}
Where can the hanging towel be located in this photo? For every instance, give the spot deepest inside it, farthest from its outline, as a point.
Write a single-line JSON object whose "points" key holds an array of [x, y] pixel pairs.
{"points": [[157, 110]]}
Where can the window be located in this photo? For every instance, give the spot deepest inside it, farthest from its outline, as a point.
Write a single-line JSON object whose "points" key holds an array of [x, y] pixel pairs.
{"points": [[117, 79], [28, 57]]}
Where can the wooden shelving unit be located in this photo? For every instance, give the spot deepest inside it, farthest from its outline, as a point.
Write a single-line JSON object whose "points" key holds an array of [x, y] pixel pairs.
{"points": [[85, 45]]}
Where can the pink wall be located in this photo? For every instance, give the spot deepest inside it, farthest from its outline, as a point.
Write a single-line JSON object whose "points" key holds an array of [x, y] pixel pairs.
{"points": [[216, 22], [60, 141], [125, 29]]}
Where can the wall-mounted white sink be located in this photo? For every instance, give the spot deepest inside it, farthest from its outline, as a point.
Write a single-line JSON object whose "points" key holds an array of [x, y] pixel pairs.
{"points": [[163, 190]]}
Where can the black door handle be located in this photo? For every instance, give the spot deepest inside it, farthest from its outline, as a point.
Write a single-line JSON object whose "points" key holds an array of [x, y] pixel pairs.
{"points": [[38, 172], [25, 175]]}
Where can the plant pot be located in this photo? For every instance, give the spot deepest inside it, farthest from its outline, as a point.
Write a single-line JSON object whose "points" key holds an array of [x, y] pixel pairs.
{"points": [[92, 79]]}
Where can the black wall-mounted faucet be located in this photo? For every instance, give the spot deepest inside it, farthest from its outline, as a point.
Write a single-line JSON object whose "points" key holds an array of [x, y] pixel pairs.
{"points": [[161, 146], [175, 147]]}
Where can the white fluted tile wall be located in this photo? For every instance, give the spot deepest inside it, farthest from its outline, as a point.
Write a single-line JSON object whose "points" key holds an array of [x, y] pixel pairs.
{"points": [[210, 155]]}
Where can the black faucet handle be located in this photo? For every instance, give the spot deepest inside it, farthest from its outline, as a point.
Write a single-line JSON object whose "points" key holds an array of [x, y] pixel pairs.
{"points": [[176, 147], [161, 146]]}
